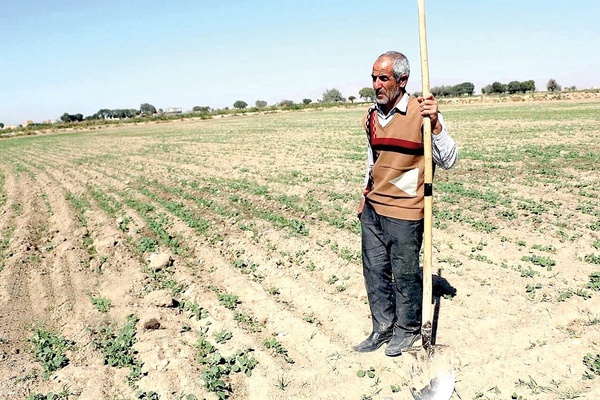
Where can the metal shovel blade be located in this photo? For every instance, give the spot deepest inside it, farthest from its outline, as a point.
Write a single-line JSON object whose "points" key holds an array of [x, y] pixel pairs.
{"points": [[440, 387]]}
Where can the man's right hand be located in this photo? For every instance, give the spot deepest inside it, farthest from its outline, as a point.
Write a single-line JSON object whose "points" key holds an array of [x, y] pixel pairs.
{"points": [[361, 205]]}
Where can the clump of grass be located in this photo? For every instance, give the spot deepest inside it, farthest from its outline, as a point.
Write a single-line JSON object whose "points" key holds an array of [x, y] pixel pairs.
{"points": [[223, 336], [592, 259], [229, 301], [369, 372], [312, 319], [194, 309], [142, 395], [547, 249], [594, 282], [592, 362], [277, 347], [101, 304], [217, 368], [248, 322], [62, 395], [50, 348], [146, 245], [81, 205], [541, 261], [117, 348]]}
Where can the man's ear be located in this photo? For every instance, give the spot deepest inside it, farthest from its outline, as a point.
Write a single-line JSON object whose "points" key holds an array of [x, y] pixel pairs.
{"points": [[403, 80]]}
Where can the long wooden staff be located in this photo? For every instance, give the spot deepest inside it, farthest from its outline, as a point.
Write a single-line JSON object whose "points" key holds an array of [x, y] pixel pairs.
{"points": [[426, 320]]}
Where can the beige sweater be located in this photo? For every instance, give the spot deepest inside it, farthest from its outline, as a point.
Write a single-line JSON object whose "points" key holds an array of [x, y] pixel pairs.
{"points": [[398, 172]]}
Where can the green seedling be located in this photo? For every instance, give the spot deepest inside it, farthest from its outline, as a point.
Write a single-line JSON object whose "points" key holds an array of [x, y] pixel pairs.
{"points": [[117, 347], [222, 336], [101, 304], [229, 301], [592, 362], [277, 347], [62, 395], [248, 322], [594, 282], [592, 259], [50, 349], [545, 262]]}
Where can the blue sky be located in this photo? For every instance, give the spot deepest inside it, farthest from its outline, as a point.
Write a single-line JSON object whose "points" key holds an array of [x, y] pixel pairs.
{"points": [[81, 56]]}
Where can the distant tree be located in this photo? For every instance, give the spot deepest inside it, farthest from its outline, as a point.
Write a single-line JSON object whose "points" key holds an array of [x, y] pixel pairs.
{"points": [[202, 109], [103, 113], [66, 117], [147, 109], [286, 103], [306, 101], [498, 87], [351, 98], [465, 88], [260, 104], [513, 87], [367, 93], [332, 96], [240, 104], [528, 86], [1, 125], [552, 86], [441, 91]]}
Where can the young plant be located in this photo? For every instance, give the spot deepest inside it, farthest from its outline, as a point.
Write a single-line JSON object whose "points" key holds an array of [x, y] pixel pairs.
{"points": [[545, 262], [277, 347], [229, 301], [248, 322], [62, 395], [223, 336], [101, 304], [117, 348], [283, 383], [592, 362], [594, 282], [50, 349]]}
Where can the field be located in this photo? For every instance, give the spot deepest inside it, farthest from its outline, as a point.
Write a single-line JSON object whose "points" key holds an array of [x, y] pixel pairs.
{"points": [[221, 258]]}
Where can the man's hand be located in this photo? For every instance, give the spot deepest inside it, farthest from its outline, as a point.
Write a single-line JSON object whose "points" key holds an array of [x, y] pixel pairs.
{"points": [[361, 205], [429, 108]]}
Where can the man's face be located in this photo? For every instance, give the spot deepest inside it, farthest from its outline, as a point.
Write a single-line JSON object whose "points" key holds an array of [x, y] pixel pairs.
{"points": [[387, 89]]}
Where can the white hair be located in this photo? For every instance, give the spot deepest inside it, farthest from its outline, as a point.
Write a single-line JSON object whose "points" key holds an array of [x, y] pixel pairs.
{"points": [[400, 64]]}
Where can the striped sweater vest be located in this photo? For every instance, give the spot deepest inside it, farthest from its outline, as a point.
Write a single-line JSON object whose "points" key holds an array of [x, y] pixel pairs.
{"points": [[397, 177]]}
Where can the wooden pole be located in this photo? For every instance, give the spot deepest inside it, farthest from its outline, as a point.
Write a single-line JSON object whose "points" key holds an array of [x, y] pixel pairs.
{"points": [[426, 320]]}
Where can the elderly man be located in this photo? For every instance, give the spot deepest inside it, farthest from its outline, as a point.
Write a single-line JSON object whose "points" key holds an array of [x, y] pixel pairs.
{"points": [[391, 209]]}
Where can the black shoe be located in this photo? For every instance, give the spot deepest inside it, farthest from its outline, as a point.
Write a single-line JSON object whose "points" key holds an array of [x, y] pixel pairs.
{"points": [[401, 342], [373, 342]]}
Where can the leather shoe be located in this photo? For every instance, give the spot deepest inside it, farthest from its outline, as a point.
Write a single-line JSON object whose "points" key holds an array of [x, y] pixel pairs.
{"points": [[401, 342], [373, 342]]}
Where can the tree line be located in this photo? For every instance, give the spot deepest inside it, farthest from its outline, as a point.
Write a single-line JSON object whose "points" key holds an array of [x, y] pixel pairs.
{"points": [[330, 96], [118, 113], [511, 87]]}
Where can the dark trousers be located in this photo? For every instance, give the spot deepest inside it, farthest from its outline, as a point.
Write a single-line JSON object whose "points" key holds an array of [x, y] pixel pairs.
{"points": [[390, 252]]}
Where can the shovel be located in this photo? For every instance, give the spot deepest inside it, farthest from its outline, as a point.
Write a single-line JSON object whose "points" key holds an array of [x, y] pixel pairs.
{"points": [[441, 386]]}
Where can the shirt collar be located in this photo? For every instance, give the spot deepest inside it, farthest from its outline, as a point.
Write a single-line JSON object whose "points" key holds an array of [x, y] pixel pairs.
{"points": [[401, 106]]}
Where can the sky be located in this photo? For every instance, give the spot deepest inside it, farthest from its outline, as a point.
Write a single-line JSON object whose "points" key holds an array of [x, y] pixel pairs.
{"points": [[82, 56]]}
